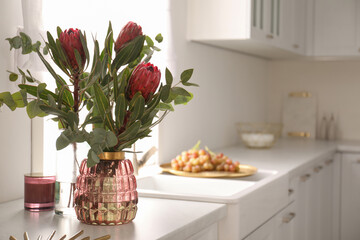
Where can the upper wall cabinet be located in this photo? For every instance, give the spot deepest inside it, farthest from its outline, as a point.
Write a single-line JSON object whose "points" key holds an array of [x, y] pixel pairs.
{"points": [[336, 28], [267, 28]]}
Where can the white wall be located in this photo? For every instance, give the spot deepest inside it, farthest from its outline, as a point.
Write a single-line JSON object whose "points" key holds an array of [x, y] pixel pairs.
{"points": [[336, 84], [15, 127], [232, 89]]}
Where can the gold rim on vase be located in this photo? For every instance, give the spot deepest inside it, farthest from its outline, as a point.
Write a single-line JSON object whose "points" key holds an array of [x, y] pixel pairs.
{"points": [[112, 156]]}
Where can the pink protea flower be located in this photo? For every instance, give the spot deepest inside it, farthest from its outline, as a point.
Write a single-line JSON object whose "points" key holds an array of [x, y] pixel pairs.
{"points": [[130, 31], [70, 40], [145, 78]]}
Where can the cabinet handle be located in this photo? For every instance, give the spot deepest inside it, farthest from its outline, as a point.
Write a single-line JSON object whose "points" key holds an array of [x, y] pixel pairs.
{"points": [[330, 161], [291, 191], [288, 217], [296, 46], [269, 36], [305, 177], [318, 169]]}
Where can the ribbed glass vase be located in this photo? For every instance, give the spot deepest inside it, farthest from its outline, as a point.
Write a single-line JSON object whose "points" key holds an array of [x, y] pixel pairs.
{"points": [[106, 193]]}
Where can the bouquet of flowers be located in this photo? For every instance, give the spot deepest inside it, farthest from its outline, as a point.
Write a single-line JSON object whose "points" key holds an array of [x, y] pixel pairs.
{"points": [[120, 91]]}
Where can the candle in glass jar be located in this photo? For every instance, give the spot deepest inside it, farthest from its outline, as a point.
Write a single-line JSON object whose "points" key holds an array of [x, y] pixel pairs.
{"points": [[39, 192]]}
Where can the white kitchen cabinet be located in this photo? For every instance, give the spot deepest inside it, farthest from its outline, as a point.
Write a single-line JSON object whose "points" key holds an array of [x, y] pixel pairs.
{"points": [[350, 196], [258, 27], [336, 28], [279, 227], [312, 192]]}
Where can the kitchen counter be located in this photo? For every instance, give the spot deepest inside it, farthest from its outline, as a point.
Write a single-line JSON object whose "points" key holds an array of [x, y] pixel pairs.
{"points": [[287, 156], [155, 219]]}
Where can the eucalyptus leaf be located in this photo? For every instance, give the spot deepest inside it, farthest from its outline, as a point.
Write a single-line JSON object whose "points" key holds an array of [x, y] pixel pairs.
{"points": [[26, 43], [186, 75], [13, 77], [159, 38], [183, 99], [19, 99], [6, 98], [33, 109], [180, 91], [149, 41], [165, 106]]}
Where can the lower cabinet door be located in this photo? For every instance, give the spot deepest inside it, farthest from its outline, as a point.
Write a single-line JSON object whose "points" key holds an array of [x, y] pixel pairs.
{"points": [[350, 197], [279, 227]]}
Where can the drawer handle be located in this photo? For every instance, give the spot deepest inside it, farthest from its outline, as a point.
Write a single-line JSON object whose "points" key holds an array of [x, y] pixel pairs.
{"points": [[269, 36], [305, 177], [291, 191], [318, 169], [296, 46], [288, 217], [330, 161]]}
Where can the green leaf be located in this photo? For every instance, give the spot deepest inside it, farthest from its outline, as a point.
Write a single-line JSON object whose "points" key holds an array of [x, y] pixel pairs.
{"points": [[186, 75], [54, 111], [15, 42], [84, 45], [103, 107], [36, 46], [149, 41], [120, 110], [93, 158], [180, 91], [128, 53], [6, 98], [96, 53], [49, 68], [190, 84], [52, 101], [159, 38], [111, 139], [73, 120], [33, 109], [168, 77], [32, 90], [93, 120], [95, 74], [46, 50], [165, 106], [138, 108], [164, 92], [78, 58], [62, 141], [131, 131], [13, 77], [65, 95], [19, 99], [183, 99], [58, 31], [40, 89], [26, 43]]}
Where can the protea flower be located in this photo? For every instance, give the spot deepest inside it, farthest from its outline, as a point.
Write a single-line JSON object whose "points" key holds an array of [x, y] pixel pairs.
{"points": [[70, 40], [145, 78], [130, 31]]}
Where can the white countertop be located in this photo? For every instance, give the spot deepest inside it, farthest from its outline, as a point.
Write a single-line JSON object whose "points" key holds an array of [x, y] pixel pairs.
{"points": [[286, 156], [155, 219]]}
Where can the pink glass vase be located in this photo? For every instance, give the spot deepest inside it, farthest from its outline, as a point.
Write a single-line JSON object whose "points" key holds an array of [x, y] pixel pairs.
{"points": [[106, 193]]}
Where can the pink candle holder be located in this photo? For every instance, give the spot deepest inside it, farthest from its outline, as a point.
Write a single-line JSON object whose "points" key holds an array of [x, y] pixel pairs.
{"points": [[39, 192]]}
